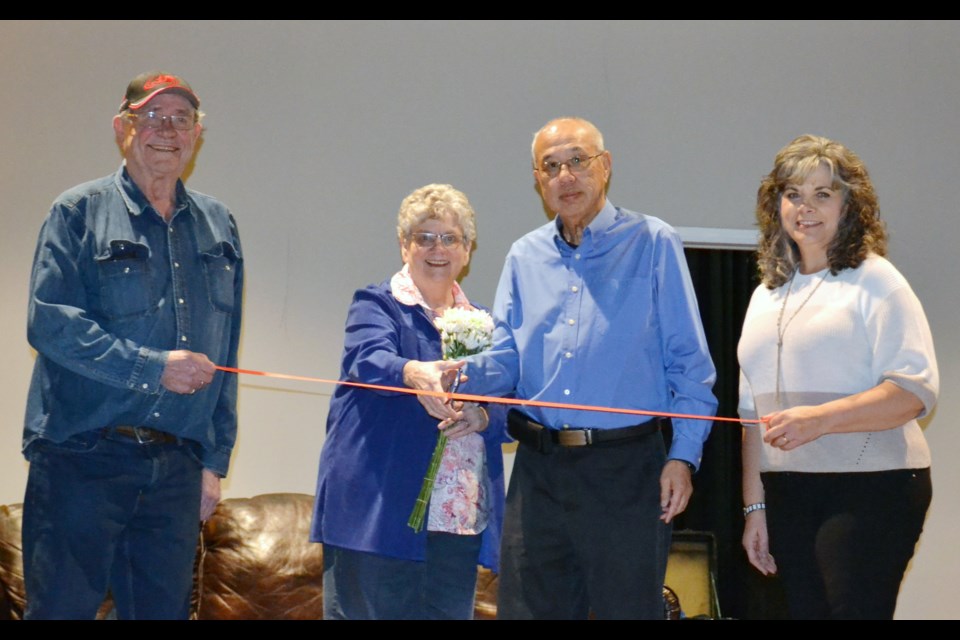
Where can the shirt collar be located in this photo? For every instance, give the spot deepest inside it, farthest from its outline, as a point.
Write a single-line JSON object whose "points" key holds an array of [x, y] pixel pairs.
{"points": [[135, 199], [594, 232], [406, 292]]}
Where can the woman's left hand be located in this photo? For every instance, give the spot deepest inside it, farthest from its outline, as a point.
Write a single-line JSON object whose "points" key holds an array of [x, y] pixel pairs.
{"points": [[793, 427], [472, 418]]}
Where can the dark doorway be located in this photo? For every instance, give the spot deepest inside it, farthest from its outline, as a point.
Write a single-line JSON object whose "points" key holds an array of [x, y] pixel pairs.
{"points": [[724, 280]]}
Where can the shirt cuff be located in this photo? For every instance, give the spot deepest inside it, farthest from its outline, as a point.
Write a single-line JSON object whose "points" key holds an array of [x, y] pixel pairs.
{"points": [[148, 370], [216, 461], [686, 451], [690, 465]]}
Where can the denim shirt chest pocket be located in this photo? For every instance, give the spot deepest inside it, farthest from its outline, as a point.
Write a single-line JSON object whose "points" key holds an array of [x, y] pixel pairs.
{"points": [[126, 286], [220, 268]]}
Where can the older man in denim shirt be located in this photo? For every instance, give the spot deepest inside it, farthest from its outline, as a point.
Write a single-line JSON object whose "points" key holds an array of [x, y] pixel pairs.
{"points": [[135, 294]]}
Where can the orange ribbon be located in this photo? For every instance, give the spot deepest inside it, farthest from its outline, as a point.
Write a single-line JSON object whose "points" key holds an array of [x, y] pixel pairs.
{"points": [[468, 397]]}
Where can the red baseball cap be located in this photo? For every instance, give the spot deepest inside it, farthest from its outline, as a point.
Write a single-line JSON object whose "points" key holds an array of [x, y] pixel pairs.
{"points": [[145, 86]]}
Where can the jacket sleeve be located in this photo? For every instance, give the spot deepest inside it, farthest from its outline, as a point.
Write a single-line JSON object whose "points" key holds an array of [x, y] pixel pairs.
{"points": [[377, 344]]}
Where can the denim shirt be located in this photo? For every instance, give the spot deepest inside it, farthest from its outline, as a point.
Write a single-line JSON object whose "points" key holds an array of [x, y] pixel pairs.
{"points": [[114, 288]]}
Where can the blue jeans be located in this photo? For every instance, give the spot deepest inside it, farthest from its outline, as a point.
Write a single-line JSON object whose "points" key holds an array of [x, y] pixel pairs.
{"points": [[104, 512], [369, 586]]}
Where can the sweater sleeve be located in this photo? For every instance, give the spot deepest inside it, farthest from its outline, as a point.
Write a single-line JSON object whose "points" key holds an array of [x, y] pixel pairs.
{"points": [[903, 346]]}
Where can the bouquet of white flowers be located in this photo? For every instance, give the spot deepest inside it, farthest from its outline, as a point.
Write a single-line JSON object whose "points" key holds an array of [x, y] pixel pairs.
{"points": [[463, 332]]}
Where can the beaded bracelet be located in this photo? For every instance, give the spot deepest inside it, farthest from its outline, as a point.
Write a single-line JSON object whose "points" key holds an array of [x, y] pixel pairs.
{"points": [[756, 506]]}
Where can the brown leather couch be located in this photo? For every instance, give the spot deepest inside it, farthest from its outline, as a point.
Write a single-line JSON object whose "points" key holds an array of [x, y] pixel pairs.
{"points": [[254, 563]]}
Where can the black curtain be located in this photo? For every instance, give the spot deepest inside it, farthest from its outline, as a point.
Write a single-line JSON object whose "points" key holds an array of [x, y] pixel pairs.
{"points": [[724, 280]]}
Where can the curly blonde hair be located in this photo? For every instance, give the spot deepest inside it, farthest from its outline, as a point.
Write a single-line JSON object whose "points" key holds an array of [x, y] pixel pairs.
{"points": [[433, 202], [860, 230]]}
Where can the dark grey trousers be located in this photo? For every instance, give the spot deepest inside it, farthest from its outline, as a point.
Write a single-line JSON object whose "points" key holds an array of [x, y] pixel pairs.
{"points": [[582, 533]]}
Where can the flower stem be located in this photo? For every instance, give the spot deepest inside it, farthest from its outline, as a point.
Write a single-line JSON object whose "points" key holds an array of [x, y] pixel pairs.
{"points": [[420, 507]]}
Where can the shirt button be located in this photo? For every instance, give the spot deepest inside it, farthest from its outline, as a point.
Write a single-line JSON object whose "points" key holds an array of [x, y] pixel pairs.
{"points": [[126, 269], [180, 300], [176, 264], [566, 392], [568, 355], [576, 256], [144, 386], [571, 322], [227, 267], [183, 338], [156, 414], [566, 426], [171, 229], [574, 288]]}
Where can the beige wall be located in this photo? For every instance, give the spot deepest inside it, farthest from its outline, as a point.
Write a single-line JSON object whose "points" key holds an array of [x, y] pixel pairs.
{"points": [[317, 130]]}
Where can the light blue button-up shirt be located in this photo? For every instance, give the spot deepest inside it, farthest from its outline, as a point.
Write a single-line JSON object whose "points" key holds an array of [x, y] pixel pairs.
{"points": [[612, 323]]}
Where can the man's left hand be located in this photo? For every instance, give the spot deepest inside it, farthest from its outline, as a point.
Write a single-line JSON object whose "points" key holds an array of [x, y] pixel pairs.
{"points": [[209, 494], [473, 419], [676, 487]]}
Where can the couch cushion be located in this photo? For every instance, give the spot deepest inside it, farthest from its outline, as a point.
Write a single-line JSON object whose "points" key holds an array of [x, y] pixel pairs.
{"points": [[257, 562]]}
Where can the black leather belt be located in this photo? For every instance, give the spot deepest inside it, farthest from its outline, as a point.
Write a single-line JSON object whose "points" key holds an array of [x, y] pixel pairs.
{"points": [[144, 435], [543, 439]]}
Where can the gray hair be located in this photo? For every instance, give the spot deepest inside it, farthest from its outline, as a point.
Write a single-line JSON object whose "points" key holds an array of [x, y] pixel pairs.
{"points": [[434, 202], [586, 124]]}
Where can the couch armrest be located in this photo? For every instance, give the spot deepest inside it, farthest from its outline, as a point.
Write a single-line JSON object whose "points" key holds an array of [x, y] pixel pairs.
{"points": [[12, 600]]}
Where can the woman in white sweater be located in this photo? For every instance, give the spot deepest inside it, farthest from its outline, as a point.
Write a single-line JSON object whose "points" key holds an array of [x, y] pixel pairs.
{"points": [[837, 359]]}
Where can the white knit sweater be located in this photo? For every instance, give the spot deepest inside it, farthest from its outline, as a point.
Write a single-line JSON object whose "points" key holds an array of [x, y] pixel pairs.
{"points": [[859, 328]]}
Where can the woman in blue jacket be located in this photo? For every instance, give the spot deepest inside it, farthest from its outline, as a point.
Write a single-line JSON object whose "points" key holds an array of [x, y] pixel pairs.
{"points": [[379, 443]]}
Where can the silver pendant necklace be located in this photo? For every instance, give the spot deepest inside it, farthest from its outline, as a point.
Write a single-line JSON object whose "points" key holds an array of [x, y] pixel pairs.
{"points": [[782, 327]]}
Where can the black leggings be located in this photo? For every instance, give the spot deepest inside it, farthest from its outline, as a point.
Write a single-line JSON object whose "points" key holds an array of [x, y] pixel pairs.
{"points": [[842, 541]]}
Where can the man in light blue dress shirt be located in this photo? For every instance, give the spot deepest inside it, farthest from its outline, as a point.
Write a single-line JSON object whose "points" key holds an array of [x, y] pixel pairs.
{"points": [[593, 308]]}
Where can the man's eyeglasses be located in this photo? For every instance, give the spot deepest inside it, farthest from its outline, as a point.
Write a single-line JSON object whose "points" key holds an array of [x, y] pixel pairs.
{"points": [[154, 120], [429, 240], [575, 164]]}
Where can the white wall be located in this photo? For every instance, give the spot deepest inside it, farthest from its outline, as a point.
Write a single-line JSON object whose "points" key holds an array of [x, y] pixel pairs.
{"points": [[316, 131]]}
